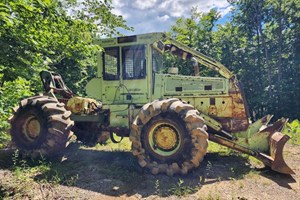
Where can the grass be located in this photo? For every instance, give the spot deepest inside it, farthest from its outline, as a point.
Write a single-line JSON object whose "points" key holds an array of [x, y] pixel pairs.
{"points": [[181, 189], [41, 171], [292, 129], [217, 148], [28, 174], [124, 145]]}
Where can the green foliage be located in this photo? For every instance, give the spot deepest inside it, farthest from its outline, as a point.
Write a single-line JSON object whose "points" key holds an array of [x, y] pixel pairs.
{"points": [[5, 18], [293, 130], [269, 55], [41, 35], [55, 35], [260, 44], [180, 189], [10, 94], [197, 32], [29, 171], [99, 13]]}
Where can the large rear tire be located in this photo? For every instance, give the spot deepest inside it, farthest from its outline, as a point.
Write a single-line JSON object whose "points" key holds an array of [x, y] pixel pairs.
{"points": [[41, 126], [169, 136]]}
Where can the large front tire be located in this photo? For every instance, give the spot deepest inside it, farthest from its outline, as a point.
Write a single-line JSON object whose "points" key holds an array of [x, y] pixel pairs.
{"points": [[41, 126], [169, 136]]}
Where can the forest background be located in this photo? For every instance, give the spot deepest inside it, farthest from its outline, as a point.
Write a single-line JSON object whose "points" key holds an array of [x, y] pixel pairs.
{"points": [[260, 43]]}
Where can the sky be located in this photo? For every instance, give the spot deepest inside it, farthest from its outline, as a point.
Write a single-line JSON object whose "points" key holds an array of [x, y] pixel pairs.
{"points": [[158, 15]]}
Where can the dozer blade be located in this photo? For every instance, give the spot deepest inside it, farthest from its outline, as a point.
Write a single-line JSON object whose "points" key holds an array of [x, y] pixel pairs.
{"points": [[275, 159], [265, 145], [277, 141]]}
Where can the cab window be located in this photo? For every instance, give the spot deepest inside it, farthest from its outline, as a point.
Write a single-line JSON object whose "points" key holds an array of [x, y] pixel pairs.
{"points": [[111, 70], [157, 62], [134, 62]]}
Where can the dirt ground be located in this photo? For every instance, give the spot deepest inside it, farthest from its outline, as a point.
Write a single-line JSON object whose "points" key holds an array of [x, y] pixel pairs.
{"points": [[99, 174]]}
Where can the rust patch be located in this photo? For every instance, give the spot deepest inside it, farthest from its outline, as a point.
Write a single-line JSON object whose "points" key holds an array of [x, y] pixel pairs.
{"points": [[234, 124]]}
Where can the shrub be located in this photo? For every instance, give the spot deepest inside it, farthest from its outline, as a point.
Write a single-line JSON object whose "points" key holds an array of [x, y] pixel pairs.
{"points": [[10, 95]]}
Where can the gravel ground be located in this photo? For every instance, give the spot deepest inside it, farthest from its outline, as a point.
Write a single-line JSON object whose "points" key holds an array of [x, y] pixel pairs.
{"points": [[93, 173]]}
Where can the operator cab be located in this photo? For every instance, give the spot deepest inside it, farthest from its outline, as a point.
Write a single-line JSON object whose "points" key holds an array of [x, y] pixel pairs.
{"points": [[125, 70], [137, 69], [128, 68]]}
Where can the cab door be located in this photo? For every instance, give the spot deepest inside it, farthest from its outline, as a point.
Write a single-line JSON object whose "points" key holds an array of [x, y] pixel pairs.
{"points": [[111, 76], [134, 74]]}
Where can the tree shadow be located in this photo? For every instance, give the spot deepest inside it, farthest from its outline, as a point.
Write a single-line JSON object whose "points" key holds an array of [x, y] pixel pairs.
{"points": [[6, 158], [117, 173]]}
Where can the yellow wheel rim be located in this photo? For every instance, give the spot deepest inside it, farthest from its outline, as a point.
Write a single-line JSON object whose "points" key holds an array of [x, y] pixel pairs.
{"points": [[32, 128], [164, 138]]}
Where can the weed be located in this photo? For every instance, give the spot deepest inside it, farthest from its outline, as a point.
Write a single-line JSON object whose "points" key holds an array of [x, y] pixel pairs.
{"points": [[20, 168], [181, 190], [21, 177], [157, 187], [27, 172], [209, 166], [232, 170], [72, 180], [55, 174], [200, 179], [15, 157]]}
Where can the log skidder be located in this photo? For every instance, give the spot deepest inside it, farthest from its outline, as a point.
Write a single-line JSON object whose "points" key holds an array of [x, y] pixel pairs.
{"points": [[41, 126], [168, 136]]}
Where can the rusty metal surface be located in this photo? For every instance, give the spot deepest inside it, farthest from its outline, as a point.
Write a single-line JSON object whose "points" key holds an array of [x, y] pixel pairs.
{"points": [[231, 144], [273, 159], [80, 105], [233, 124], [277, 142]]}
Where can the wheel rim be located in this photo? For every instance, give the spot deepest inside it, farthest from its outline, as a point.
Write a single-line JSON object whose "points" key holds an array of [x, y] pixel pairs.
{"points": [[164, 139], [32, 128]]}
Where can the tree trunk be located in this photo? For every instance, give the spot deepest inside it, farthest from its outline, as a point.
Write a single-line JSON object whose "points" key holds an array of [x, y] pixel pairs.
{"points": [[263, 40], [260, 73]]}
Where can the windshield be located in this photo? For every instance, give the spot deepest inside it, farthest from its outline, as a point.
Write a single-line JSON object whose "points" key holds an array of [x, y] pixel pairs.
{"points": [[157, 61], [162, 62]]}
